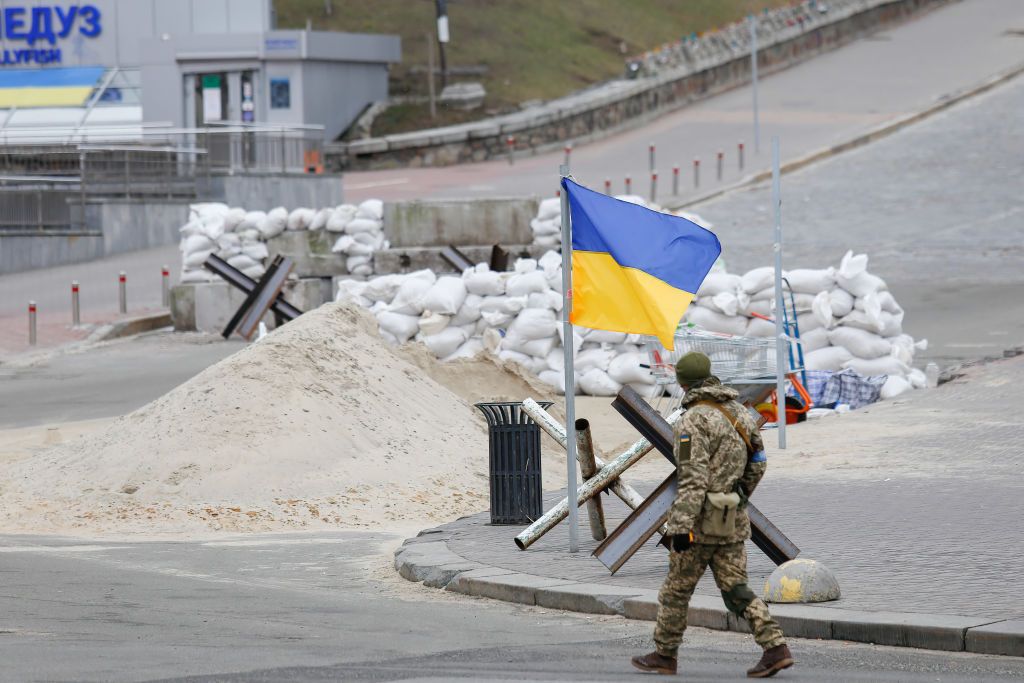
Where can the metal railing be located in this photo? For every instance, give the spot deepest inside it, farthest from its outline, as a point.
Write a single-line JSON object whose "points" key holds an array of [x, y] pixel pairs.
{"points": [[45, 205]]}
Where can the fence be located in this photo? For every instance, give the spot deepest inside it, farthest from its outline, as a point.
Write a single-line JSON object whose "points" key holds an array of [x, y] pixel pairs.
{"points": [[51, 206]]}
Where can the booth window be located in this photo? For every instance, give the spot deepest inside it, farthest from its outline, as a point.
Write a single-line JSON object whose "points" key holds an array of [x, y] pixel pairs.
{"points": [[280, 93]]}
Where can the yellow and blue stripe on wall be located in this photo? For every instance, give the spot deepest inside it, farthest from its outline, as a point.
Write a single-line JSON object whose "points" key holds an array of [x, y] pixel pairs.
{"points": [[57, 87]]}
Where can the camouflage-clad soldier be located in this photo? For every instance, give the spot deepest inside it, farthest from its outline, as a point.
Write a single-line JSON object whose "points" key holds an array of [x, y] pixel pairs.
{"points": [[708, 522]]}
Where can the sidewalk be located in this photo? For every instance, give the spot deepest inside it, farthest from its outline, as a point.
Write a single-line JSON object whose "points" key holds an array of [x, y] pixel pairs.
{"points": [[912, 503]]}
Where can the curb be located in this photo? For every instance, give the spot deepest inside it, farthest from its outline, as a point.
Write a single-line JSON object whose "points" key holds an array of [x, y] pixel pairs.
{"points": [[877, 133], [130, 326], [427, 559]]}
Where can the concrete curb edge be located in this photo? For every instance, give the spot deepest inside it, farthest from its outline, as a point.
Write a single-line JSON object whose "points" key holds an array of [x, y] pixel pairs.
{"points": [[428, 559], [130, 326], [877, 133]]}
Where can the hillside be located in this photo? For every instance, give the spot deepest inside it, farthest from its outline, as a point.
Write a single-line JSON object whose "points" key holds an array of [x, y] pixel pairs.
{"points": [[526, 49]]}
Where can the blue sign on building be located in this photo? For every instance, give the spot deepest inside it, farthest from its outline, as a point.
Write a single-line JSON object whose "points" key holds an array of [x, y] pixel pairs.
{"points": [[44, 25]]}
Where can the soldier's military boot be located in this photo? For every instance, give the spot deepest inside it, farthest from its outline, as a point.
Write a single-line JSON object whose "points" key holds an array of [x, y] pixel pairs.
{"points": [[773, 661], [655, 663]]}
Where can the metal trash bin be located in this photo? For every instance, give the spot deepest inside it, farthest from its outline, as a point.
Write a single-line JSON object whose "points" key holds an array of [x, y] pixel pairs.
{"points": [[514, 448]]}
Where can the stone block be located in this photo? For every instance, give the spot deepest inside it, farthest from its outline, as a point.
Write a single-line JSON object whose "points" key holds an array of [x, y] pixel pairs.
{"points": [[310, 251], [1000, 638], [438, 223], [928, 631], [801, 621], [591, 598], [521, 588], [183, 307], [215, 304], [308, 293]]}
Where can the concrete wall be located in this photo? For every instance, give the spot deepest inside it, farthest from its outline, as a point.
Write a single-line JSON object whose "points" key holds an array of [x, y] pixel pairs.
{"points": [[437, 223], [334, 96], [621, 105], [264, 192], [28, 252]]}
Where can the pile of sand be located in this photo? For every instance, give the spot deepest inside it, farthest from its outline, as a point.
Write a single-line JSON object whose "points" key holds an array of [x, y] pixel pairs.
{"points": [[319, 424]]}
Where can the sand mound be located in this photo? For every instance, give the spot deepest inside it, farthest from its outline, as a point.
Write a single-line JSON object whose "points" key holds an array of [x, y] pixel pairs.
{"points": [[321, 423]]}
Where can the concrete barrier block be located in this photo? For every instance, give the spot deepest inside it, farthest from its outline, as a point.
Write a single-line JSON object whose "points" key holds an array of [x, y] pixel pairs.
{"points": [[308, 293], [183, 307], [310, 251], [1000, 638], [438, 223]]}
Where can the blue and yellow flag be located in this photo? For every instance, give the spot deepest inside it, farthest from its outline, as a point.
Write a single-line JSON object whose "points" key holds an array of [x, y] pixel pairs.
{"points": [[633, 269]]}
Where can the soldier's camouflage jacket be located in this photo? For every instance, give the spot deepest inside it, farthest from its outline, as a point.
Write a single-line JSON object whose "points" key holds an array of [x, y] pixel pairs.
{"points": [[717, 462]]}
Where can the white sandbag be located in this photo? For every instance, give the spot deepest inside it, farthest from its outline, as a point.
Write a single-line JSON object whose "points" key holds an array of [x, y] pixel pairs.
{"points": [[535, 348], [373, 240], [549, 208], [275, 222], [809, 281], [408, 296], [862, 284], [548, 240], [383, 288], [545, 300], [196, 275], [469, 349], [903, 348], [766, 294], [342, 244], [229, 241], [445, 342], [372, 209], [593, 358], [364, 269], [213, 226], [241, 261], [359, 262], [340, 217], [814, 339], [803, 302], [556, 358], [524, 284], [625, 369], [196, 259], [830, 358], [355, 248], [257, 251], [917, 378], [195, 243], [469, 312], [233, 218], [894, 386], [357, 225], [884, 324], [388, 337], [496, 318], [484, 282], [524, 265], [821, 307], [842, 302], [648, 391], [726, 303], [861, 343], [503, 304], [596, 382], [763, 307], [247, 235], [887, 365], [851, 266], [402, 327], [445, 296], [535, 323], [545, 228], [193, 227], [716, 322], [432, 323], [515, 357], [603, 336], [577, 339], [320, 219], [554, 379], [299, 219], [550, 262], [352, 291], [759, 327], [757, 279], [717, 283], [632, 199], [255, 272], [252, 221], [881, 301], [808, 322]]}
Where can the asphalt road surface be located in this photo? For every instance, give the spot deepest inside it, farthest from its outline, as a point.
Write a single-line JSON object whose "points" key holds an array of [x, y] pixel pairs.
{"points": [[328, 607]]}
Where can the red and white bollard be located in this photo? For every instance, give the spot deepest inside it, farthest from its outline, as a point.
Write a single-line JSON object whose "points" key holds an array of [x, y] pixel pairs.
{"points": [[165, 286], [675, 181], [629, 185], [654, 185], [568, 152], [696, 173], [122, 292], [32, 323], [650, 157], [76, 311], [510, 144], [721, 162], [608, 186], [740, 150]]}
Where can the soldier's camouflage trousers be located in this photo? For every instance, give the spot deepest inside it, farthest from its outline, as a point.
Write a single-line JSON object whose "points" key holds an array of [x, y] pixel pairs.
{"points": [[729, 566]]}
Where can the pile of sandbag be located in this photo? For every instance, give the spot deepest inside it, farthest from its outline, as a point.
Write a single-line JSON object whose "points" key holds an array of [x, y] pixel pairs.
{"points": [[847, 318], [239, 236], [514, 315]]}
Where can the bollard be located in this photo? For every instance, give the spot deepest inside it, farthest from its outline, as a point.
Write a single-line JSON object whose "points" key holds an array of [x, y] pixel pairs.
{"points": [[740, 150], [510, 144], [608, 186], [696, 173], [650, 157], [76, 314], [165, 286], [568, 152], [675, 181], [654, 185], [629, 185], [32, 323], [122, 292], [721, 161]]}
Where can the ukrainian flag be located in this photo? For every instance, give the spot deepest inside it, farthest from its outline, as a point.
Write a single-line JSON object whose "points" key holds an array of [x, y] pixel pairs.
{"points": [[633, 269], [62, 87]]}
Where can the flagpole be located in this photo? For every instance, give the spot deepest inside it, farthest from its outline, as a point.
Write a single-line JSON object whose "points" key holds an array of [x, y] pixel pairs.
{"points": [[570, 375], [781, 343]]}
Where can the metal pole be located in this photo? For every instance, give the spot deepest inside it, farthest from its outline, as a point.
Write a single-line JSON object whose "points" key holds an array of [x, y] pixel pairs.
{"points": [[696, 173], [570, 377], [608, 186], [675, 181], [654, 185], [510, 142], [781, 357], [753, 78], [122, 293], [650, 157], [629, 185], [721, 161], [568, 153], [32, 323], [588, 468], [165, 286], [740, 155], [76, 315]]}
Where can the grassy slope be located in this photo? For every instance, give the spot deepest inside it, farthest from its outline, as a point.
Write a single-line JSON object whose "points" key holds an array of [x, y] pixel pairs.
{"points": [[534, 49]]}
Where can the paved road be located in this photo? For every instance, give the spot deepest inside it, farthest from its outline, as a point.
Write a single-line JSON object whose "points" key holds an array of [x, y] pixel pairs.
{"points": [[820, 102], [327, 607]]}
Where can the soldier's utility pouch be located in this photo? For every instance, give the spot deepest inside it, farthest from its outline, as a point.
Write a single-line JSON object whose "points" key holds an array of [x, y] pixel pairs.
{"points": [[719, 514]]}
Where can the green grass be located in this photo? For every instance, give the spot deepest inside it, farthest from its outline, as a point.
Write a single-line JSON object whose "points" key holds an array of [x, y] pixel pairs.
{"points": [[533, 49]]}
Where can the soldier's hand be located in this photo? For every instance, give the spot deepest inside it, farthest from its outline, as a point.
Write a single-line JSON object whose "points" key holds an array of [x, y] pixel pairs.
{"points": [[682, 542]]}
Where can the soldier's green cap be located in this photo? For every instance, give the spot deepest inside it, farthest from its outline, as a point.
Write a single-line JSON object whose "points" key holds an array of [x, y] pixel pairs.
{"points": [[693, 367]]}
